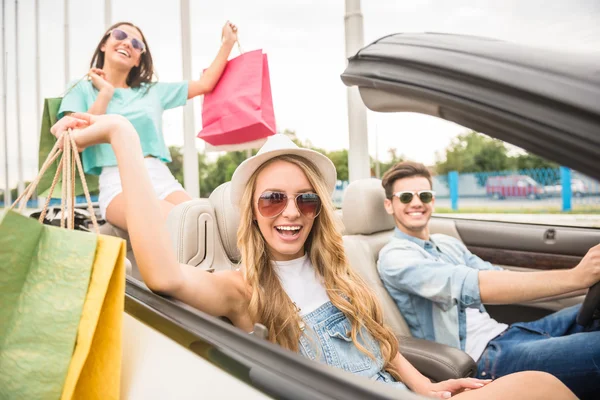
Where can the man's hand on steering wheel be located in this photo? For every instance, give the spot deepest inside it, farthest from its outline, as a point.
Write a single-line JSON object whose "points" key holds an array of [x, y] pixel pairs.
{"points": [[588, 273], [588, 270]]}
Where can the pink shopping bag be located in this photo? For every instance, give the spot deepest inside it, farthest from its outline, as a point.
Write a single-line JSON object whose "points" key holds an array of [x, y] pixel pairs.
{"points": [[240, 108]]}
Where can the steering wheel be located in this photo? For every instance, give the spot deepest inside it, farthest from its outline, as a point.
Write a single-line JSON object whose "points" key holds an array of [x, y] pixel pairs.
{"points": [[590, 309]]}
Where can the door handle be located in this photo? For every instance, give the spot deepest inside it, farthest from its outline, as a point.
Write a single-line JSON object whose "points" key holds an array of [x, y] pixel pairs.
{"points": [[550, 236]]}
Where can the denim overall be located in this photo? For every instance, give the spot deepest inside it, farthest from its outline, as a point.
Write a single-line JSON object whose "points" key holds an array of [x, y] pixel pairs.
{"points": [[326, 338]]}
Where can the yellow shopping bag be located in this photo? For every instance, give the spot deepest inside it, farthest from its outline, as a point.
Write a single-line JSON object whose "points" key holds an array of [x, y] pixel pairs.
{"points": [[95, 369]]}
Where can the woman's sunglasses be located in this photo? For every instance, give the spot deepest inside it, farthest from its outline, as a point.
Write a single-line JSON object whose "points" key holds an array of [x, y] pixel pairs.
{"points": [[271, 204], [120, 35], [424, 195]]}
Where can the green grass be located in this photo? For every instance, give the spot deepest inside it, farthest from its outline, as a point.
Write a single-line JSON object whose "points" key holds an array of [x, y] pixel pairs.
{"points": [[592, 209]]}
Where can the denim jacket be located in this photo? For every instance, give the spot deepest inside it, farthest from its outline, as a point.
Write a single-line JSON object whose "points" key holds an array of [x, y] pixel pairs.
{"points": [[326, 338], [432, 282]]}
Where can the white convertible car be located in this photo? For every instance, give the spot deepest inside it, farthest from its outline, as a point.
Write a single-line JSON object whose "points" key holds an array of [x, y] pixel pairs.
{"points": [[546, 103]]}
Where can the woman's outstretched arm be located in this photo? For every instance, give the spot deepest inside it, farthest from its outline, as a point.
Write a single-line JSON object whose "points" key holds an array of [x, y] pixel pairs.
{"points": [[220, 294], [211, 76]]}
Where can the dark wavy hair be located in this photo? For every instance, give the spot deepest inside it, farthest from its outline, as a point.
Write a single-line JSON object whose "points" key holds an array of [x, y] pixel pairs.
{"points": [[138, 75], [404, 169]]}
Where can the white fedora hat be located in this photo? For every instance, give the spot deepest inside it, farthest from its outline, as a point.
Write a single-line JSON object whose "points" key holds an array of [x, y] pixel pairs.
{"points": [[278, 145]]}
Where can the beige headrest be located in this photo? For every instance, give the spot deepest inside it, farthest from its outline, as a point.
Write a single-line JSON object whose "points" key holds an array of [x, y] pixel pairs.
{"points": [[363, 210], [228, 219]]}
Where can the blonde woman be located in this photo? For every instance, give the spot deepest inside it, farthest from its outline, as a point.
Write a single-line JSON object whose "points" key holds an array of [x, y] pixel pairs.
{"points": [[295, 278]]}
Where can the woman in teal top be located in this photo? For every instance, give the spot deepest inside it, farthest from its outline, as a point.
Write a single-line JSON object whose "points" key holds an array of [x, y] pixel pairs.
{"points": [[120, 82]]}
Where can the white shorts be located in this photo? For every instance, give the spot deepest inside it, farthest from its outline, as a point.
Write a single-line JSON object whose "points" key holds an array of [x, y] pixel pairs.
{"points": [[163, 181]]}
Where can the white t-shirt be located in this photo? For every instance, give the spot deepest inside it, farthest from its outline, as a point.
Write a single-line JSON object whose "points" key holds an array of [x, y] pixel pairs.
{"points": [[481, 328], [302, 284]]}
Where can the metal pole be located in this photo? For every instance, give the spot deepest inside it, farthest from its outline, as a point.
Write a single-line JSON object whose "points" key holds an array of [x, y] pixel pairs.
{"points": [[358, 152], [66, 38], [7, 196], [191, 178], [567, 195], [453, 183], [38, 91], [20, 183], [107, 13]]}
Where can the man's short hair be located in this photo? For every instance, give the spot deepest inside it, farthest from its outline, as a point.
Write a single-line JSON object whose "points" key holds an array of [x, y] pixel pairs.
{"points": [[404, 169]]}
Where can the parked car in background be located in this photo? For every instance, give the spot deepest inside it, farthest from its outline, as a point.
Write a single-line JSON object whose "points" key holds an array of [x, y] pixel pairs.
{"points": [[578, 188], [501, 187]]}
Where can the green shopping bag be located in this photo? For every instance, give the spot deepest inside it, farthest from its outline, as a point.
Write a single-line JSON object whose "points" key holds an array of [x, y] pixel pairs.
{"points": [[47, 141], [44, 276]]}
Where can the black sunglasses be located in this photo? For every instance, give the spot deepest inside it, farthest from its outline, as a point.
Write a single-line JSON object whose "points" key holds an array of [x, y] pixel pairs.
{"points": [[426, 196], [120, 35], [271, 204]]}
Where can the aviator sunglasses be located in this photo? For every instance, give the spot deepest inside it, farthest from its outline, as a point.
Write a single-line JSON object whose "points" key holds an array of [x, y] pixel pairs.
{"points": [[271, 204], [407, 196], [122, 35]]}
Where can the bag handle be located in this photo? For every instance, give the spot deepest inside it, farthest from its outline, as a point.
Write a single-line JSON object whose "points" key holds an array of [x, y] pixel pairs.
{"points": [[66, 92], [69, 163], [239, 46]]}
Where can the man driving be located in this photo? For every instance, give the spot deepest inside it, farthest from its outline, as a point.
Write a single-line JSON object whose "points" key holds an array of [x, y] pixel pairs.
{"points": [[440, 288]]}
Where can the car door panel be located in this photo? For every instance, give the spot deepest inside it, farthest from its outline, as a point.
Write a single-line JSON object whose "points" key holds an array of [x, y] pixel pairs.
{"points": [[524, 248], [526, 259], [151, 359], [541, 239]]}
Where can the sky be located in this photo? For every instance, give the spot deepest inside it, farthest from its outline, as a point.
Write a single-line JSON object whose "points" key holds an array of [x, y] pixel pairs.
{"points": [[304, 41]]}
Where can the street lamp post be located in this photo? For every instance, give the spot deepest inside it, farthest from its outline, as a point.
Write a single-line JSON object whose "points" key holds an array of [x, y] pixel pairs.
{"points": [[7, 197], [191, 177], [107, 13], [20, 182], [66, 42], [358, 152]]}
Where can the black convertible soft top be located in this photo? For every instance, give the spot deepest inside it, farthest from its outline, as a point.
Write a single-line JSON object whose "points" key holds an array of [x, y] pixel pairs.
{"points": [[544, 101]]}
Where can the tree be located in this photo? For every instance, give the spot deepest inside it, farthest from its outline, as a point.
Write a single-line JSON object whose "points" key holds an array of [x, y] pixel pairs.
{"points": [[338, 157], [176, 166], [394, 159], [531, 161], [292, 136], [220, 171], [474, 152], [340, 160]]}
